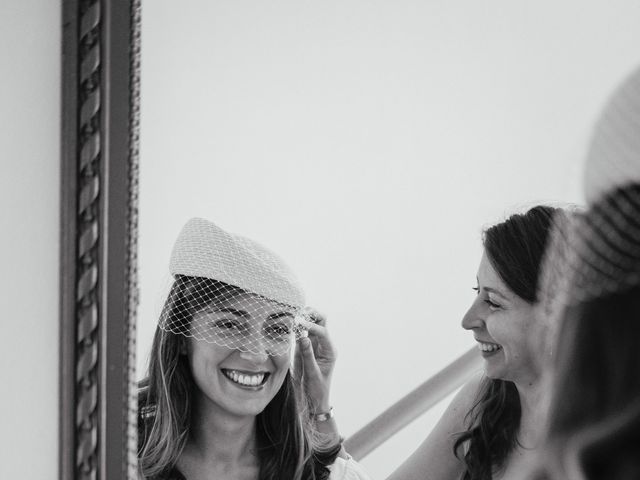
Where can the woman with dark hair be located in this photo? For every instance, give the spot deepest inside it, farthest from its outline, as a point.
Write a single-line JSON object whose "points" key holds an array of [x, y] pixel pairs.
{"points": [[221, 399], [495, 419]]}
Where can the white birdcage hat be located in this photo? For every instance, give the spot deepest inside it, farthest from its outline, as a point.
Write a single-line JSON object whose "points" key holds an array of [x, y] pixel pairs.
{"points": [[231, 291], [597, 252]]}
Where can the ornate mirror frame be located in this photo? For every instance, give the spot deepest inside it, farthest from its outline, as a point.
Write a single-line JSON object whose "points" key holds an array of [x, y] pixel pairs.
{"points": [[98, 292]]}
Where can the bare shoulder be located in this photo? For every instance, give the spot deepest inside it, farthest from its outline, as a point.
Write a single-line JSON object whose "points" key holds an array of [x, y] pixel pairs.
{"points": [[463, 401], [434, 458]]}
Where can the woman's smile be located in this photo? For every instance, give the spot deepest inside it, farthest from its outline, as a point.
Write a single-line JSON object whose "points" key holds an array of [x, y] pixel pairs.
{"points": [[245, 379], [488, 349]]}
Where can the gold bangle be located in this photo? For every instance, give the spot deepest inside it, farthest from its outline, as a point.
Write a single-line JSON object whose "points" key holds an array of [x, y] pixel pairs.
{"points": [[323, 417]]}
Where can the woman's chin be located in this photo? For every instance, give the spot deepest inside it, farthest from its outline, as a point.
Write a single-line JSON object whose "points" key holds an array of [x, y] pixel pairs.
{"points": [[246, 410], [493, 372]]}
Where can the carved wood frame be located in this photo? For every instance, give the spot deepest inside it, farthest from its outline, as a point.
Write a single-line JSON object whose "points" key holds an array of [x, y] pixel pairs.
{"points": [[98, 293]]}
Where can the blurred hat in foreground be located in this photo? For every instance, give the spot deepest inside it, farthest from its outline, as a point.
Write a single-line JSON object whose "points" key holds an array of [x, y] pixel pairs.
{"points": [[597, 252], [613, 158]]}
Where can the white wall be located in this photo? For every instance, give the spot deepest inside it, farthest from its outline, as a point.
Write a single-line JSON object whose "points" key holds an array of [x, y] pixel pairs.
{"points": [[29, 204], [368, 142]]}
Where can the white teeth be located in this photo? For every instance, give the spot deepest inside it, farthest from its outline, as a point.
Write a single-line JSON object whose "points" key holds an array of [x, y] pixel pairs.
{"points": [[488, 347], [244, 378]]}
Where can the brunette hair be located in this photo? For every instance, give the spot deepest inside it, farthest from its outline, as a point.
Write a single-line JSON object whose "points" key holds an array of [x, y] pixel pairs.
{"points": [[593, 390], [515, 249], [287, 445]]}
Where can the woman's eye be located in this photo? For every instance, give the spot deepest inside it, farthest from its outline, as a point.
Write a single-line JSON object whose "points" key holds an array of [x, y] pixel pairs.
{"points": [[227, 324], [491, 304], [476, 289], [278, 330]]}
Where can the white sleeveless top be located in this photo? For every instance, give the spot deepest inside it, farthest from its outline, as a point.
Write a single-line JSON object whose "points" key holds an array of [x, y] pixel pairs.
{"points": [[347, 469]]}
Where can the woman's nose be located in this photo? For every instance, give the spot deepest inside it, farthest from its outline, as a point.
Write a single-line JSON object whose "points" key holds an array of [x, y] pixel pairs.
{"points": [[255, 356], [255, 352], [473, 318]]}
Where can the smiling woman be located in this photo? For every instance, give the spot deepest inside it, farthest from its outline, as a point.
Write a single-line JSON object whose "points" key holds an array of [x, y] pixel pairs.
{"points": [[221, 398], [502, 320], [498, 414]]}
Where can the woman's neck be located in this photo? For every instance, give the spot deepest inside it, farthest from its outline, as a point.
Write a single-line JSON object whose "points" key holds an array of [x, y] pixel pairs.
{"points": [[530, 431], [220, 442], [532, 417]]}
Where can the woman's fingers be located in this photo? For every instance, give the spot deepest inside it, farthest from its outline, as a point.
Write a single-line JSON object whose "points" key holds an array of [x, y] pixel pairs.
{"points": [[307, 366], [320, 341], [315, 316], [313, 327], [316, 379], [309, 362], [298, 363]]}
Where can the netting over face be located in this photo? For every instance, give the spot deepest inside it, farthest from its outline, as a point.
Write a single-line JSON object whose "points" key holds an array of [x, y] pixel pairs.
{"points": [[232, 292], [228, 316]]}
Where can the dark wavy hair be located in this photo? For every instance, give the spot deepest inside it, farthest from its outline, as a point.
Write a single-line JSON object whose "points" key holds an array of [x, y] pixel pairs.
{"points": [[593, 422], [287, 444], [515, 249], [593, 390]]}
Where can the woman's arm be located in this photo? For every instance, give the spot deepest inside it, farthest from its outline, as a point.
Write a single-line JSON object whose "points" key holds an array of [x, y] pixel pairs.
{"points": [[434, 459], [314, 362]]}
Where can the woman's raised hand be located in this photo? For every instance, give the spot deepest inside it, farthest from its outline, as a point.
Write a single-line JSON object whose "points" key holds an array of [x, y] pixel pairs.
{"points": [[314, 361]]}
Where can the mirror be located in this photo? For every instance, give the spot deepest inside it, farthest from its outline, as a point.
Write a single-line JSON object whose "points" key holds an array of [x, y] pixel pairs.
{"points": [[98, 212], [368, 143]]}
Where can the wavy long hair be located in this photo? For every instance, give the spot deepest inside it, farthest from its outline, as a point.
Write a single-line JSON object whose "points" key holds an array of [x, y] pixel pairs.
{"points": [[592, 392], [287, 444], [515, 249]]}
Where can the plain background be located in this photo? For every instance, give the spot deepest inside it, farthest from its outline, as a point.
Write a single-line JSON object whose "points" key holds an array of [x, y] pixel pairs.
{"points": [[368, 143], [30, 33]]}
